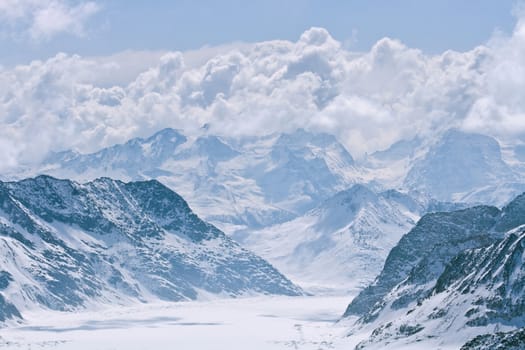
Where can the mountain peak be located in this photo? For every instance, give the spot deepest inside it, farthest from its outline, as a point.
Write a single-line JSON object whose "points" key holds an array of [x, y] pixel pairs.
{"points": [[455, 135], [457, 165], [167, 134], [301, 137], [215, 148], [110, 241], [358, 194]]}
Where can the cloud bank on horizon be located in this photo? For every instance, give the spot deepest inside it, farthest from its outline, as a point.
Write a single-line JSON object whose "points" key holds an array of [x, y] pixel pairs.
{"points": [[368, 100]]}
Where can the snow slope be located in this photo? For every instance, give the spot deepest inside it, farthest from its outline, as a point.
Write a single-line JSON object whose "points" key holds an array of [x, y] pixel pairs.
{"points": [[66, 245], [454, 276], [481, 291], [340, 245], [465, 167], [421, 255]]}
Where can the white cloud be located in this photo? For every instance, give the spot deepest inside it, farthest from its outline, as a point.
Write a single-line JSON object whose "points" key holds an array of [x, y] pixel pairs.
{"points": [[43, 19], [500, 107], [369, 100]]}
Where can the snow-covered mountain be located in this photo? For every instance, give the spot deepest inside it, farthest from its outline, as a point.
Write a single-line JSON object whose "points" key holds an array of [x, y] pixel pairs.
{"points": [[340, 245], [451, 166], [464, 167], [66, 245], [129, 160], [240, 183], [421, 255], [302, 168], [287, 197], [513, 340], [403, 149], [459, 273], [481, 291]]}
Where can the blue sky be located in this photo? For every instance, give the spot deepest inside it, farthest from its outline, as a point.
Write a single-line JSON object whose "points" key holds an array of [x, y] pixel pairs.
{"points": [[118, 25]]}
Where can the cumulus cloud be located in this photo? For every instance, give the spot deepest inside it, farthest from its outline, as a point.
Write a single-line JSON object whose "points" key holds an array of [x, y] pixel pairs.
{"points": [[500, 106], [368, 100], [43, 19]]}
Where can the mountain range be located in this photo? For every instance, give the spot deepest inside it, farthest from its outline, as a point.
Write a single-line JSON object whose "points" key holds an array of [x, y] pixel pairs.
{"points": [[415, 228], [236, 184], [250, 183], [300, 199], [465, 167]]}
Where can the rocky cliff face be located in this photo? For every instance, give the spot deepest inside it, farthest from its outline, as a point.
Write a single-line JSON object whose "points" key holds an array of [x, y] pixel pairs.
{"points": [[513, 340], [454, 276], [421, 255]]}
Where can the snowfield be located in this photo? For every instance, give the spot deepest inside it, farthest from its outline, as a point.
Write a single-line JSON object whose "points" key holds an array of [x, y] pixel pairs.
{"points": [[262, 322], [251, 323]]}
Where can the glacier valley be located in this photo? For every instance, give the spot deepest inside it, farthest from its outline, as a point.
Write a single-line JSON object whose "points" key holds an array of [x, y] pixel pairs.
{"points": [[207, 242]]}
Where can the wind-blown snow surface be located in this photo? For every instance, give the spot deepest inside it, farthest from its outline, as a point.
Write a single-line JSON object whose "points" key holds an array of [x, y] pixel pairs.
{"points": [[260, 323], [340, 245], [66, 246]]}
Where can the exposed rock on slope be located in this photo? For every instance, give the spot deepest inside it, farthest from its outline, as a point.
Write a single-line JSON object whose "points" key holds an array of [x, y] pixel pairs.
{"points": [[454, 276], [66, 245]]}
